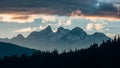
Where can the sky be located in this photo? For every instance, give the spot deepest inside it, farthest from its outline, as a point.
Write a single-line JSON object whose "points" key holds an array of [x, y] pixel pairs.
{"points": [[26, 16]]}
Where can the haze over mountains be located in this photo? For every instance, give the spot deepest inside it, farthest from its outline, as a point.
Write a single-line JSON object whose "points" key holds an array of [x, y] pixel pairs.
{"points": [[61, 39]]}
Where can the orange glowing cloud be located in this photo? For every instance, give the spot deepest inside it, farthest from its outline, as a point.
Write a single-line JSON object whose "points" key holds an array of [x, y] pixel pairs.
{"points": [[29, 17], [18, 18], [95, 17]]}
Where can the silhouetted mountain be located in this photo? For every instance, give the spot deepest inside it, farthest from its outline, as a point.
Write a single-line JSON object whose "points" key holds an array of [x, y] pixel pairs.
{"points": [[95, 38], [78, 32], [7, 49], [61, 39], [42, 35], [17, 39]]}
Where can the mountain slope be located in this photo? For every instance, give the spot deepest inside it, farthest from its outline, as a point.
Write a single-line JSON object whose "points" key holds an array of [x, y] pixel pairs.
{"points": [[7, 49]]}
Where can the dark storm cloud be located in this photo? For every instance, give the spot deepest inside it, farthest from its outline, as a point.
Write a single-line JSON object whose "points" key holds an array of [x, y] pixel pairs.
{"points": [[60, 7], [105, 10]]}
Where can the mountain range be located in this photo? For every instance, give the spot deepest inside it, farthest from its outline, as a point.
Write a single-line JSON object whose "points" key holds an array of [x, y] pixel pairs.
{"points": [[61, 39]]}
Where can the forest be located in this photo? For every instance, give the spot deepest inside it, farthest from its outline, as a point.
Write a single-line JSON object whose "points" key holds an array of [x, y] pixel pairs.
{"points": [[105, 55]]}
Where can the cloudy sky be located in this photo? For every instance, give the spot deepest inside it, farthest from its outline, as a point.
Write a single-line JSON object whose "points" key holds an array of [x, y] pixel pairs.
{"points": [[25, 16]]}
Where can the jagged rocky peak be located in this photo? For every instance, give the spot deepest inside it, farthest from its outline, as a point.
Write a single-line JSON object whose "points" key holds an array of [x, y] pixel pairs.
{"points": [[61, 29], [47, 29], [20, 36], [99, 34], [38, 34], [78, 31]]}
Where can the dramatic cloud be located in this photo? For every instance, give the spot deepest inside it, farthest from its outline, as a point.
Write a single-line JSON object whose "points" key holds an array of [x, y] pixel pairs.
{"points": [[64, 22], [68, 22], [90, 26], [109, 1], [97, 8], [111, 35], [55, 30], [42, 27], [29, 29], [118, 8], [48, 18], [98, 27], [78, 14], [18, 18]]}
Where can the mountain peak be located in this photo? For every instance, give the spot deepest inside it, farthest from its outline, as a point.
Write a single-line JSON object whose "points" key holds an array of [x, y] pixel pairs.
{"points": [[20, 36], [60, 28], [47, 29], [78, 29], [98, 34]]}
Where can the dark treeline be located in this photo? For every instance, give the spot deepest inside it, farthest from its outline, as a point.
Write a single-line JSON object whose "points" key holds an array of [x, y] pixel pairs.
{"points": [[107, 55]]}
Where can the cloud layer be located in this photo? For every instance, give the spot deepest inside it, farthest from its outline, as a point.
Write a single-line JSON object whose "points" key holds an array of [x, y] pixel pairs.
{"points": [[102, 8], [98, 26], [24, 30], [18, 18]]}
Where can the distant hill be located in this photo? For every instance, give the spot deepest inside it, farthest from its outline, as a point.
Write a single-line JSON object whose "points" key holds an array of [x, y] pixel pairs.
{"points": [[62, 39], [7, 49]]}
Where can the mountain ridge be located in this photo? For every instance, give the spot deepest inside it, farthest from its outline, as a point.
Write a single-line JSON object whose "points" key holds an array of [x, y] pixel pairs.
{"points": [[61, 39]]}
